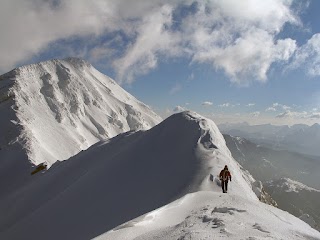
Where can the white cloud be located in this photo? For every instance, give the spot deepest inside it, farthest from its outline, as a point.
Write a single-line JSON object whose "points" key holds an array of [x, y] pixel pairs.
{"points": [[275, 105], [299, 115], [315, 115], [176, 88], [250, 104], [308, 56], [284, 114], [179, 109], [191, 77], [225, 105], [238, 37], [255, 114], [271, 109], [38, 23], [285, 107], [207, 103], [292, 114], [153, 39]]}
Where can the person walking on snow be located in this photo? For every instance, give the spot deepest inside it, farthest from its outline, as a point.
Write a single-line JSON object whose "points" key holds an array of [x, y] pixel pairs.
{"points": [[224, 178]]}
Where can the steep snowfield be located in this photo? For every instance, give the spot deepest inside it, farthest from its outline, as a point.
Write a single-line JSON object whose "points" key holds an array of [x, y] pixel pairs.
{"points": [[120, 179], [64, 106]]}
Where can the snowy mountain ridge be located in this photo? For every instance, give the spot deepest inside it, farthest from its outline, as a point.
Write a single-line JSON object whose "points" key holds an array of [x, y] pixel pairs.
{"points": [[160, 182], [152, 184], [65, 106]]}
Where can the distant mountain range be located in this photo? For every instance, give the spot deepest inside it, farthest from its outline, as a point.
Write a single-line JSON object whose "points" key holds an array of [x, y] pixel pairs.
{"points": [[298, 138], [296, 198], [275, 169], [265, 163]]}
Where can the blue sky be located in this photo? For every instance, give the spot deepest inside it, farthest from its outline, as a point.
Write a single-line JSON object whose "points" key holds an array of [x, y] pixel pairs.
{"points": [[255, 61]]}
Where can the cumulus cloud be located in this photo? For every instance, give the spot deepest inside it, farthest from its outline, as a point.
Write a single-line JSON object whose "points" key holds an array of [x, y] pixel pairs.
{"points": [[250, 104], [292, 114], [207, 103], [255, 114], [308, 56], [38, 23], [271, 109], [302, 115], [225, 105], [238, 37], [285, 107], [153, 38], [315, 115], [277, 106]]}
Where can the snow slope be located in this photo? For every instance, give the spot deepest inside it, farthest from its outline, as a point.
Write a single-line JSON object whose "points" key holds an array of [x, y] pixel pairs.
{"points": [[212, 215], [57, 108], [120, 179]]}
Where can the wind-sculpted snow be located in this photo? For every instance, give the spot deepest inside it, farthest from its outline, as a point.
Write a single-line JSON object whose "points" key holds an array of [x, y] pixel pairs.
{"points": [[212, 215], [120, 179], [133, 174], [65, 106]]}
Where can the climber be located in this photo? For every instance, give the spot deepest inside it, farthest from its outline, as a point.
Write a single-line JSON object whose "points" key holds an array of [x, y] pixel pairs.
{"points": [[224, 177]]}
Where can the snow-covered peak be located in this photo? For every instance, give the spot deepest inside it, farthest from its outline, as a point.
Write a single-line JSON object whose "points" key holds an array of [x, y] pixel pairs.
{"points": [[173, 168], [289, 185], [212, 137], [65, 106]]}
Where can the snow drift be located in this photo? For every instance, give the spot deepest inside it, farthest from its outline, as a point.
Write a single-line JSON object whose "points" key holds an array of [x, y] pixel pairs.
{"points": [[120, 179], [57, 108], [209, 215]]}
